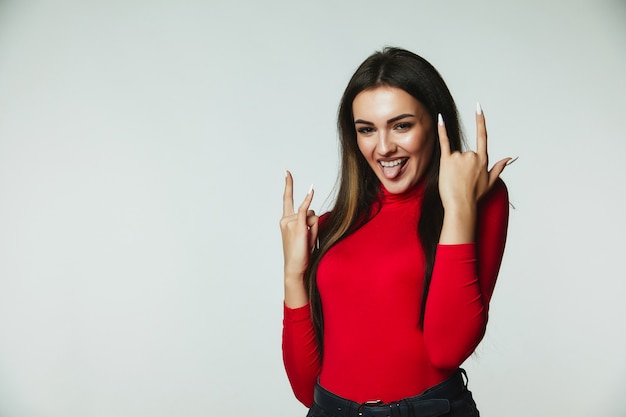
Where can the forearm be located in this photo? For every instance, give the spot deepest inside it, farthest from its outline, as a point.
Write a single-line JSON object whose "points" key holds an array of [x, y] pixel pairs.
{"points": [[456, 314], [296, 294], [459, 224], [300, 353], [463, 279]]}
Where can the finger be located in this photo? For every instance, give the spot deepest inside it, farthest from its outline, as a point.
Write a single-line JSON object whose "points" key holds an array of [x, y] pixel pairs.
{"points": [[311, 218], [306, 203], [312, 222], [444, 142], [288, 195], [481, 132], [496, 170]]}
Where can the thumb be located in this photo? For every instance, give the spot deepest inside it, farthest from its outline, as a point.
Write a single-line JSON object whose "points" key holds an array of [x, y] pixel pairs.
{"points": [[312, 222]]}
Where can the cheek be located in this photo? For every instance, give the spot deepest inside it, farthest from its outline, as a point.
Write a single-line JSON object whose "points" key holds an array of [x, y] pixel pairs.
{"points": [[420, 145], [364, 148]]}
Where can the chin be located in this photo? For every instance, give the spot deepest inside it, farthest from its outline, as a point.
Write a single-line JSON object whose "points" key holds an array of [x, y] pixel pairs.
{"points": [[397, 187]]}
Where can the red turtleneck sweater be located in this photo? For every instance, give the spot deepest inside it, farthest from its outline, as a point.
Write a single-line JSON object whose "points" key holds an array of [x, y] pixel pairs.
{"points": [[370, 284]]}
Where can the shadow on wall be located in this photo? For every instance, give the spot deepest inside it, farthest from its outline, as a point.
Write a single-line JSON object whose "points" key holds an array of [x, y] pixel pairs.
{"points": [[620, 6]]}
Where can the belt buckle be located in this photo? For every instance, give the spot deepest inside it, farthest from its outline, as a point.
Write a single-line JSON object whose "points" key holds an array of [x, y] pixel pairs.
{"points": [[374, 403]]}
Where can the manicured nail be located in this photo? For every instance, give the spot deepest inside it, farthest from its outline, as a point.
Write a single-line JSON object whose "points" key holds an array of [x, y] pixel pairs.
{"points": [[479, 110], [310, 190], [440, 119], [511, 161]]}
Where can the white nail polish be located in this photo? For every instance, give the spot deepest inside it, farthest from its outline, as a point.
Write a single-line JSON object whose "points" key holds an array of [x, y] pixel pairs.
{"points": [[479, 110], [440, 119], [511, 161], [310, 190]]}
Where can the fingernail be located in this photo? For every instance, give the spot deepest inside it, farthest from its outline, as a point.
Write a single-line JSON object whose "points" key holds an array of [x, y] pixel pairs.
{"points": [[310, 190], [479, 110], [440, 119], [511, 161], [286, 172]]}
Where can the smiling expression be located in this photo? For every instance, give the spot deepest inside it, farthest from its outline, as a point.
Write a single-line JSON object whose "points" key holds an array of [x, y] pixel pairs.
{"points": [[395, 135]]}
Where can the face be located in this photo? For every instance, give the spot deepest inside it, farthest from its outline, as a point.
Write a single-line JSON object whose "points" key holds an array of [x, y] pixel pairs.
{"points": [[394, 134]]}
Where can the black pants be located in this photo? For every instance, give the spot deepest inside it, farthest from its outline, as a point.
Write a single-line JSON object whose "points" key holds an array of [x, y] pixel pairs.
{"points": [[450, 398]]}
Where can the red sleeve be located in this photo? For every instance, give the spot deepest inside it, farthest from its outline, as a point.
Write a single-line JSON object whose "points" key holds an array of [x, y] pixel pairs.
{"points": [[462, 283], [300, 354]]}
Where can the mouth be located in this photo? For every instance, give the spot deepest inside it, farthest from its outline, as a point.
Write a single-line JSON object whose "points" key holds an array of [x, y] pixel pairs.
{"points": [[393, 168]]}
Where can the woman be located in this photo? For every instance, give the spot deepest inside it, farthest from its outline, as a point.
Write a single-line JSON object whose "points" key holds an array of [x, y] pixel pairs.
{"points": [[387, 294]]}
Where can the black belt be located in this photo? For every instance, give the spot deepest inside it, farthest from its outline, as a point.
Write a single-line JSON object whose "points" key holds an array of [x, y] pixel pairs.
{"points": [[433, 402]]}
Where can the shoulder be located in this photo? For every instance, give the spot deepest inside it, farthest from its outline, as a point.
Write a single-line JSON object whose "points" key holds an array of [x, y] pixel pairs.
{"points": [[497, 195], [493, 207], [323, 219]]}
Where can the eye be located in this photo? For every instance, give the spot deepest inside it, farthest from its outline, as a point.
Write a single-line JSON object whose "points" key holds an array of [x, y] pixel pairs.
{"points": [[403, 126], [365, 130]]}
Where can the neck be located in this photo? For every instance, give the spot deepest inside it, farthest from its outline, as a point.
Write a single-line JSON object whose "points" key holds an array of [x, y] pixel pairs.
{"points": [[412, 193]]}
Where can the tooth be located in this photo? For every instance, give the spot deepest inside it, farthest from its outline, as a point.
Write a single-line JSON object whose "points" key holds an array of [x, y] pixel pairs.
{"points": [[389, 164]]}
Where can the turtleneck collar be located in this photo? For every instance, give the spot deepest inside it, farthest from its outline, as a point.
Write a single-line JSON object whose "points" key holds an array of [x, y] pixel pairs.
{"points": [[409, 195]]}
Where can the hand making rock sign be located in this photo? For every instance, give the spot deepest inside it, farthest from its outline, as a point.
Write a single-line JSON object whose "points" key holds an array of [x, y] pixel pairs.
{"points": [[299, 233], [463, 179]]}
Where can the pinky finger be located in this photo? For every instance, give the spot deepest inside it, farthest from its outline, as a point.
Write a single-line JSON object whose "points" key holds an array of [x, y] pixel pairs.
{"points": [[313, 236], [306, 203], [497, 169]]}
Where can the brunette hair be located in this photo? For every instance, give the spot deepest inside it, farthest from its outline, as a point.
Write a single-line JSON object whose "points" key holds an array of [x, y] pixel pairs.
{"points": [[358, 186]]}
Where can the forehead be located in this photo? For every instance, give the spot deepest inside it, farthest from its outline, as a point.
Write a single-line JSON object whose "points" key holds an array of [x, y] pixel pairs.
{"points": [[385, 102]]}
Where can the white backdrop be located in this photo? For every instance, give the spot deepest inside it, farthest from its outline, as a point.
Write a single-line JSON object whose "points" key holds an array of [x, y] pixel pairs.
{"points": [[142, 148]]}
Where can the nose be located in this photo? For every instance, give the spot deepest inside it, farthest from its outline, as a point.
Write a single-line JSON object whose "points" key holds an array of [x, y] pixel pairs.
{"points": [[385, 146]]}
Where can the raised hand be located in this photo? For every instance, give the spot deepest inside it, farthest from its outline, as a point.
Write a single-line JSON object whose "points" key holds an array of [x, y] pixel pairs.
{"points": [[299, 233], [464, 178]]}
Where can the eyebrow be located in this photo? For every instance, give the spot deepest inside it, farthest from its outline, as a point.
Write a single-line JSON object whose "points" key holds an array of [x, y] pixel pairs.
{"points": [[390, 121]]}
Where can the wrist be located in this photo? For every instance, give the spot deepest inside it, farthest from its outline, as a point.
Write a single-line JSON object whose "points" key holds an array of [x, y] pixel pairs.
{"points": [[294, 276], [459, 224], [461, 210], [296, 295]]}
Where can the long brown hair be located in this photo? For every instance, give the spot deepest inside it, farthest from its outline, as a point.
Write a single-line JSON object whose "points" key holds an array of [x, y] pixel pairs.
{"points": [[359, 187]]}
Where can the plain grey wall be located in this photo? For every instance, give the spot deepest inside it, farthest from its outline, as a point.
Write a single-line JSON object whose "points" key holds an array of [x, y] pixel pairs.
{"points": [[142, 148]]}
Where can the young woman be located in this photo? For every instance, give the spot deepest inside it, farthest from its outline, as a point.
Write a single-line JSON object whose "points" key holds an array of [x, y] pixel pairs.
{"points": [[388, 293]]}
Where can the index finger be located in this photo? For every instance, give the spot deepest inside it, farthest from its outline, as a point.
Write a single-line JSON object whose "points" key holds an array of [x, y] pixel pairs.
{"points": [[288, 195], [481, 132], [444, 142]]}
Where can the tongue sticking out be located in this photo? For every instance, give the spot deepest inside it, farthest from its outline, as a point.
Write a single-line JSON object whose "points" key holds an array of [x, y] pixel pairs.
{"points": [[392, 172]]}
